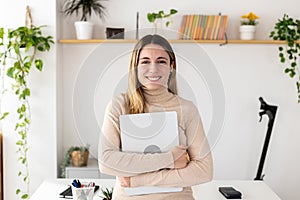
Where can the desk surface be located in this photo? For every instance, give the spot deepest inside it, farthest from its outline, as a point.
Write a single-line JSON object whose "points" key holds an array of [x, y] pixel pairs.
{"points": [[251, 190]]}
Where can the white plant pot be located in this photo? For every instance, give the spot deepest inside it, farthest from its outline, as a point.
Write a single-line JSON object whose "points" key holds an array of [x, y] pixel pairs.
{"points": [[247, 32], [84, 30]]}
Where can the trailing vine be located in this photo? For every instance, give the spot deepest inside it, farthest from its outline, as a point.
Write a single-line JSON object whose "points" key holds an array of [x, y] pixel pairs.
{"points": [[19, 53], [288, 29]]}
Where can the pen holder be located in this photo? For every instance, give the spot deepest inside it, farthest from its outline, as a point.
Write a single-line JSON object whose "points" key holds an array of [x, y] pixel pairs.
{"points": [[83, 193]]}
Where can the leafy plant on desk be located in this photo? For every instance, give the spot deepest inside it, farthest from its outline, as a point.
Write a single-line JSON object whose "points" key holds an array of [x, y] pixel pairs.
{"points": [[20, 48], [107, 194], [288, 29]]}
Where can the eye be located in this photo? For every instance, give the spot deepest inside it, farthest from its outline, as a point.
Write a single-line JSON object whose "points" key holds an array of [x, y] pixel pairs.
{"points": [[144, 62], [162, 62]]}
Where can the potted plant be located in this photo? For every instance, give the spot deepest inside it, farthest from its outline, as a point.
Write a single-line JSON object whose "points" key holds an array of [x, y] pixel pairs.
{"points": [[248, 24], [84, 28], [78, 155], [157, 18], [20, 49], [288, 29], [106, 194]]}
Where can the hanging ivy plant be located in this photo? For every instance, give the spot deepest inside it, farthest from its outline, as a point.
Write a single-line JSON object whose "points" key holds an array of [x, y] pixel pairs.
{"points": [[20, 48], [288, 29]]}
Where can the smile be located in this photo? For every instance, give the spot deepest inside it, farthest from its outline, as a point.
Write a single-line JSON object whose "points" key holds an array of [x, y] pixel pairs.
{"points": [[153, 78]]}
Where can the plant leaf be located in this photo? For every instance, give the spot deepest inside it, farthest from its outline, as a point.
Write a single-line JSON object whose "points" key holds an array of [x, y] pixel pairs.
{"points": [[4, 115], [39, 64], [18, 191], [10, 72]]}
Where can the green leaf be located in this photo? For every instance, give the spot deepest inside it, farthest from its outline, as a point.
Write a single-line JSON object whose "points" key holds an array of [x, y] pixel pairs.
{"points": [[151, 17], [21, 116], [298, 86], [161, 14], [27, 120], [25, 196], [4, 115], [292, 74], [10, 72], [23, 108], [287, 70], [27, 66], [27, 91], [39, 64], [22, 125], [1, 33], [20, 173], [19, 143], [18, 191], [173, 11]]}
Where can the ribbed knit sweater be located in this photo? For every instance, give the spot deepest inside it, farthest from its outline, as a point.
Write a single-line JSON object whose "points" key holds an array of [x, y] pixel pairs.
{"points": [[156, 169]]}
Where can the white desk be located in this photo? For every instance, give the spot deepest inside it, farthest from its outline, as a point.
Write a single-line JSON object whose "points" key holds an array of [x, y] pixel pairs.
{"points": [[251, 190]]}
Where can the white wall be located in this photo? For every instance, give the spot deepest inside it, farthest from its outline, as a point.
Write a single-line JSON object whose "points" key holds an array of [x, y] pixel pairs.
{"points": [[42, 137], [247, 72]]}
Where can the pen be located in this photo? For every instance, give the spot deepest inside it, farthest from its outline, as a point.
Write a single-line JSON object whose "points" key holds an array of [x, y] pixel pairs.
{"points": [[76, 183]]}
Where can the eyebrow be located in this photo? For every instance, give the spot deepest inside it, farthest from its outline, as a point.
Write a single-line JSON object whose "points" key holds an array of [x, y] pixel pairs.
{"points": [[146, 58]]}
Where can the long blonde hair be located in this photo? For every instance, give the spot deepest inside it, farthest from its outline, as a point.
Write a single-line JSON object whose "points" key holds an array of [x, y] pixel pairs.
{"points": [[135, 101]]}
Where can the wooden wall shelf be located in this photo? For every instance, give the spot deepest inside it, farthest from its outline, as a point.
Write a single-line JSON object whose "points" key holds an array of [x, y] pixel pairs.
{"points": [[74, 41]]}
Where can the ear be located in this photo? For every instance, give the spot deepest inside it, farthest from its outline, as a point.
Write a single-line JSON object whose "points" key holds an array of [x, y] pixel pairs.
{"points": [[172, 66]]}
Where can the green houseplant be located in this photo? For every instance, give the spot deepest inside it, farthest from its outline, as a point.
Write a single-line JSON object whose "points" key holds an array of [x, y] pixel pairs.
{"points": [[20, 51], [106, 194], [78, 155], [84, 28], [288, 29], [154, 17]]}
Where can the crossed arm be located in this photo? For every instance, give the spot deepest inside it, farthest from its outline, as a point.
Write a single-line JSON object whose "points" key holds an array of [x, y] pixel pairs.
{"points": [[170, 169]]}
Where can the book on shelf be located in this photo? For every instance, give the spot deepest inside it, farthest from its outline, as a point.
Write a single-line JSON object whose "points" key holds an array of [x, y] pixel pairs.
{"points": [[203, 27]]}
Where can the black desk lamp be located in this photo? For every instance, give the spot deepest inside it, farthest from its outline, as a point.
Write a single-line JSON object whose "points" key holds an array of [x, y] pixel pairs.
{"points": [[270, 111]]}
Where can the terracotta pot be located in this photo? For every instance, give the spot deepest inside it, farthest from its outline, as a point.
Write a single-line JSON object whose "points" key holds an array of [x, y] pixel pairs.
{"points": [[79, 158]]}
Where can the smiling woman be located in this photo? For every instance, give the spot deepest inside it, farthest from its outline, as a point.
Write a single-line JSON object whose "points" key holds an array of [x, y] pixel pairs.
{"points": [[152, 88]]}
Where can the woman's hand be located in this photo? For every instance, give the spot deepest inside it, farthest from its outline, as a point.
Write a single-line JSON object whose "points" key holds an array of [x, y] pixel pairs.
{"points": [[124, 181], [181, 157]]}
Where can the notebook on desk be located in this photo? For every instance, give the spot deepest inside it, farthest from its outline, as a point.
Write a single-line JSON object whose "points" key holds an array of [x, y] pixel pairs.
{"points": [[149, 133]]}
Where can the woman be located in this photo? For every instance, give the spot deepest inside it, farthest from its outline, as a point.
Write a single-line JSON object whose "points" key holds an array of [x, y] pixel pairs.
{"points": [[152, 88]]}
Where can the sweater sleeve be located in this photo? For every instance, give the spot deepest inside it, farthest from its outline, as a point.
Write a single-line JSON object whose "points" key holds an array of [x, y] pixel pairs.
{"points": [[113, 161], [199, 169]]}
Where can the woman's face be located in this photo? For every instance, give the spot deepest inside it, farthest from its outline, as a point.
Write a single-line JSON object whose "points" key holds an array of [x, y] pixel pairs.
{"points": [[154, 67]]}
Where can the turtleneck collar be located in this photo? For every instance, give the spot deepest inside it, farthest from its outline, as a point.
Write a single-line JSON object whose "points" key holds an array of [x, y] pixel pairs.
{"points": [[160, 95]]}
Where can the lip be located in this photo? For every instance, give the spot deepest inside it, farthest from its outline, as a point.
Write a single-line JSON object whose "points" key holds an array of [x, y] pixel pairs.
{"points": [[153, 78]]}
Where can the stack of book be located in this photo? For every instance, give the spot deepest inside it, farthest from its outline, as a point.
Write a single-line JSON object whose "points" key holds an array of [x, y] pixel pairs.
{"points": [[203, 27]]}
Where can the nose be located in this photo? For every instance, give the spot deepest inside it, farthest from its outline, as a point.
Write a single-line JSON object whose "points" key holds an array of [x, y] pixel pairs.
{"points": [[152, 68]]}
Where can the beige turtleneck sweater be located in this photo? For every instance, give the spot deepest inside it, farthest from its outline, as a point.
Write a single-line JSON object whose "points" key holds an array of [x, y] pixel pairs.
{"points": [[156, 169]]}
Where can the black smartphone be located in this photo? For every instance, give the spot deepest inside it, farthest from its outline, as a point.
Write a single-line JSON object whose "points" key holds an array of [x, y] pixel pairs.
{"points": [[230, 193]]}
